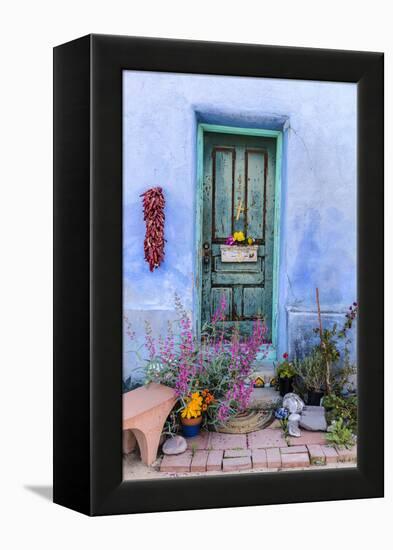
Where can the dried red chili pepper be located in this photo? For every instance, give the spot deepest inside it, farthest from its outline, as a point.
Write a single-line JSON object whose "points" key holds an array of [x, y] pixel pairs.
{"points": [[153, 214]]}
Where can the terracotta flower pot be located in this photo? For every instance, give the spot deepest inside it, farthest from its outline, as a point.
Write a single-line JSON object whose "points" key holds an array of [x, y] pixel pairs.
{"points": [[191, 426]]}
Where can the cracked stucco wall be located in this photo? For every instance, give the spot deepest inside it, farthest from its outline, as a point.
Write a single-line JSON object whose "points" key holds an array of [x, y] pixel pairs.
{"points": [[318, 203]]}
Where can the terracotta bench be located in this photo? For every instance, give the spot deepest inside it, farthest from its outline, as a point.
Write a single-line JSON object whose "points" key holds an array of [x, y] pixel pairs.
{"points": [[144, 412]]}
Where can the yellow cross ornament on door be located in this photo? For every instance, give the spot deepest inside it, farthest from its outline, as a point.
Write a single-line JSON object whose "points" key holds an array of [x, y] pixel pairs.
{"points": [[240, 209]]}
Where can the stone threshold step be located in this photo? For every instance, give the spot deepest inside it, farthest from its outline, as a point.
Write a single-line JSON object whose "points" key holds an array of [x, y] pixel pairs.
{"points": [[263, 397]]}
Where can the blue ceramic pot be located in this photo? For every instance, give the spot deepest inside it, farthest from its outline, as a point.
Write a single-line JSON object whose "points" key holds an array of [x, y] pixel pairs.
{"points": [[191, 426]]}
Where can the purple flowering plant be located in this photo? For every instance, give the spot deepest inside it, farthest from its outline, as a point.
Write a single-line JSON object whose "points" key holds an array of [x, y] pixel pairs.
{"points": [[220, 362]]}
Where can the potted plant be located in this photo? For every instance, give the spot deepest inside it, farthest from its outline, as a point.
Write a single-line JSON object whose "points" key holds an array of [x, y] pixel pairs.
{"points": [[312, 371], [285, 375], [191, 415], [192, 411]]}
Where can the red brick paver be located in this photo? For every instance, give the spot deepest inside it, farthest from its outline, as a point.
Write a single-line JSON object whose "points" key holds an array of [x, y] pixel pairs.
{"points": [[234, 453], [265, 439], [347, 455], [294, 449], [199, 461], [330, 454], [259, 459], [262, 449], [176, 463], [316, 453], [214, 461], [199, 442], [308, 438], [227, 441], [236, 464], [273, 456], [295, 460]]}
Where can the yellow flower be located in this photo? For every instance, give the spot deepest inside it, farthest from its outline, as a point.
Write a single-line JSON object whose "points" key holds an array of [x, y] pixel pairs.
{"points": [[239, 236], [250, 240], [193, 406]]}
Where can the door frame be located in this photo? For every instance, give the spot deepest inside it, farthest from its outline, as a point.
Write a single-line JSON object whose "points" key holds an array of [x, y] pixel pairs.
{"points": [[278, 136]]}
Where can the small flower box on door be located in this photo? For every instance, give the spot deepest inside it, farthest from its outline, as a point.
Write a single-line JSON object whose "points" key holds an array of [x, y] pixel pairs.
{"points": [[239, 254]]}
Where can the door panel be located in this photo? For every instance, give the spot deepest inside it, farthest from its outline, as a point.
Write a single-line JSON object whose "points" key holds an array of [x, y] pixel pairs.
{"points": [[253, 302], [237, 278], [223, 175], [232, 267], [255, 176], [238, 195]]}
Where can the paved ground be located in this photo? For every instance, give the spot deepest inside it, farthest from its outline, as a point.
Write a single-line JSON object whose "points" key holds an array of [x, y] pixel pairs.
{"points": [[264, 450]]}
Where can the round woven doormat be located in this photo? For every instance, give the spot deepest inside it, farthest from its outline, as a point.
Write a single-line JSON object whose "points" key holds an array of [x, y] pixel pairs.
{"points": [[249, 421]]}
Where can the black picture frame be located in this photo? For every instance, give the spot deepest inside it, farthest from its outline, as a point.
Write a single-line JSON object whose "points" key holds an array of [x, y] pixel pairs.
{"points": [[88, 274]]}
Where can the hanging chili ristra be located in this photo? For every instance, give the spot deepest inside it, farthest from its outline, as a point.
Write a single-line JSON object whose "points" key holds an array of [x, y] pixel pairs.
{"points": [[153, 214]]}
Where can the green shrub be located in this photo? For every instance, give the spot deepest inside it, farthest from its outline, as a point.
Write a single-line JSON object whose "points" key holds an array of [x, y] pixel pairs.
{"points": [[312, 370], [339, 435], [345, 408]]}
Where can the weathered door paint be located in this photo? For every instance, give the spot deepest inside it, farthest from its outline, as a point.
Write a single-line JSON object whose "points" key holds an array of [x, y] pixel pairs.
{"points": [[238, 195]]}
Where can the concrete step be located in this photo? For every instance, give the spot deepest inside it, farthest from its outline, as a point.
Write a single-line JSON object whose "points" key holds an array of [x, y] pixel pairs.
{"points": [[262, 398], [263, 370], [259, 368]]}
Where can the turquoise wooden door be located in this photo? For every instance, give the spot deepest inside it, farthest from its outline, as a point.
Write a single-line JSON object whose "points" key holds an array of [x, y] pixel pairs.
{"points": [[238, 195]]}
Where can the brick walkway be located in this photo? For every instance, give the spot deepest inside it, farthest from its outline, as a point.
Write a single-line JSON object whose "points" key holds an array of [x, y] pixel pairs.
{"points": [[265, 449]]}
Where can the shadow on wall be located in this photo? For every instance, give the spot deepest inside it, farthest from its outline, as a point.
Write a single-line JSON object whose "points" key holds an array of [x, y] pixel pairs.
{"points": [[245, 119]]}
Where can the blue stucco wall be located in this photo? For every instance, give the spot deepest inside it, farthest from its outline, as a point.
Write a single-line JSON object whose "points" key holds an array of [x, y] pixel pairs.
{"points": [[318, 198]]}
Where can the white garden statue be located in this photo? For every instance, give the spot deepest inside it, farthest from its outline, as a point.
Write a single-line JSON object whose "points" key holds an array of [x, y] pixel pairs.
{"points": [[295, 405]]}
